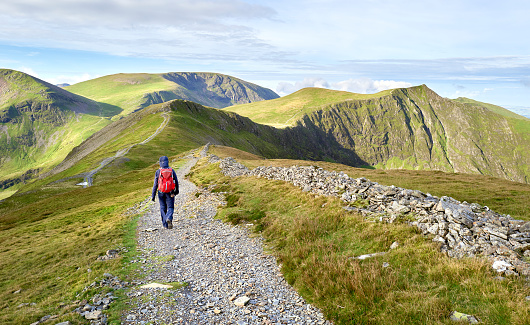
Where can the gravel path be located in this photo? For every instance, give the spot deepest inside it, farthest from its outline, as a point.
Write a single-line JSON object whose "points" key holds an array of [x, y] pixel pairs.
{"points": [[230, 280]]}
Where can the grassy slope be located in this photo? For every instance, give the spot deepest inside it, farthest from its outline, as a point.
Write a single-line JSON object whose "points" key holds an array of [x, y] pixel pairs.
{"points": [[314, 239], [410, 128], [123, 90], [414, 128], [42, 128], [45, 218], [285, 111], [134, 91], [494, 108], [51, 233], [54, 215], [61, 142]]}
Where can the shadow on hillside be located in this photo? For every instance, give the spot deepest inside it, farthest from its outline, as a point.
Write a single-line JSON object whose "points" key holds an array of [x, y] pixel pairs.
{"points": [[310, 142]]}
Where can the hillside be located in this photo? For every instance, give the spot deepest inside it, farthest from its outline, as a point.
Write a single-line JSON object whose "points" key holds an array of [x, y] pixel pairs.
{"points": [[287, 110], [411, 128], [135, 91], [52, 232], [494, 108], [39, 124]]}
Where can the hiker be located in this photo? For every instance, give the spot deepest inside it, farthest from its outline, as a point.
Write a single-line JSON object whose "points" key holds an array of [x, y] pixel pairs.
{"points": [[167, 185]]}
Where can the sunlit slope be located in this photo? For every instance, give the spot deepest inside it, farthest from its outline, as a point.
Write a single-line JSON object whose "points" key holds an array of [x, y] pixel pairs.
{"points": [[414, 128], [287, 110], [409, 128], [43, 226], [39, 124], [135, 91], [494, 108], [190, 125]]}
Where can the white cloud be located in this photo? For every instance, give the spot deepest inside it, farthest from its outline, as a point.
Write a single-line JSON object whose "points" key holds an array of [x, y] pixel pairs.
{"points": [[466, 93], [285, 88], [182, 30], [129, 13], [29, 71], [368, 86], [473, 94], [70, 79], [361, 85]]}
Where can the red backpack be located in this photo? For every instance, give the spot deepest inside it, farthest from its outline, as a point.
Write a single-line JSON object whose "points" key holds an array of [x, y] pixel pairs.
{"points": [[166, 183]]}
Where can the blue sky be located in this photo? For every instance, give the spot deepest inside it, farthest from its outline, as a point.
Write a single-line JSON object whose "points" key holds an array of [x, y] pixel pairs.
{"points": [[475, 49]]}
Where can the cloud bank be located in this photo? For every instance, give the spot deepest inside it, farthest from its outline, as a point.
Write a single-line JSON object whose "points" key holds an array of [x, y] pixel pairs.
{"points": [[361, 85]]}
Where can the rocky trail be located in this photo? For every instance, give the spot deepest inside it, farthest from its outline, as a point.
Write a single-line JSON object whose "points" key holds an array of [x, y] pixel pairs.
{"points": [[218, 273]]}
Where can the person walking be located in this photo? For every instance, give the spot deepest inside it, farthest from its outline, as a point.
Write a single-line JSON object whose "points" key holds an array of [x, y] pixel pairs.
{"points": [[167, 185]]}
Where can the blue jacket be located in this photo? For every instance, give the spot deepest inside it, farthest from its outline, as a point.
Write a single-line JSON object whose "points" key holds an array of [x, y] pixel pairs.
{"points": [[164, 163]]}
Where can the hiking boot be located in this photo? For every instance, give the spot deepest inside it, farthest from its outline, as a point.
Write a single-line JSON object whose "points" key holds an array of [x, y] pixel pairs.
{"points": [[169, 224]]}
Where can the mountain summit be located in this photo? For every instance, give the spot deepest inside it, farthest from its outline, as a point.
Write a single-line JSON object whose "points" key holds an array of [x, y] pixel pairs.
{"points": [[132, 92], [407, 128]]}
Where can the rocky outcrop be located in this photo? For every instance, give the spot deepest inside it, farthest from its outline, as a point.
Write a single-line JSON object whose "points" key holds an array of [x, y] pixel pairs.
{"points": [[217, 90], [415, 128], [462, 229]]}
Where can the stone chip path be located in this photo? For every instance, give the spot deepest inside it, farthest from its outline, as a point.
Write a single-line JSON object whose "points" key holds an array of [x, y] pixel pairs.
{"points": [[227, 278]]}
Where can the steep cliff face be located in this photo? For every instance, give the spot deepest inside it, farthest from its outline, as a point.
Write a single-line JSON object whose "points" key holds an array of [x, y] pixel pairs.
{"points": [[217, 90], [414, 128]]}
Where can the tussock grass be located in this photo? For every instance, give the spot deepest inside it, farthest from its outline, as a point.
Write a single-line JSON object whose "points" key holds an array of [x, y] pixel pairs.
{"points": [[315, 241]]}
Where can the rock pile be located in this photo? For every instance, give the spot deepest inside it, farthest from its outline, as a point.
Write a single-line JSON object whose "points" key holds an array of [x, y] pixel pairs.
{"points": [[463, 229]]}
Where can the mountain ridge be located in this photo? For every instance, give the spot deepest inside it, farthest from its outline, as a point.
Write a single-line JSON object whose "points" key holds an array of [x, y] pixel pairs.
{"points": [[132, 92], [40, 122], [411, 128]]}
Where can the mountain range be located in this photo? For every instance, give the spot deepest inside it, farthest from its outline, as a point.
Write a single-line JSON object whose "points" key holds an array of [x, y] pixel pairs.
{"points": [[407, 128], [40, 123], [55, 236]]}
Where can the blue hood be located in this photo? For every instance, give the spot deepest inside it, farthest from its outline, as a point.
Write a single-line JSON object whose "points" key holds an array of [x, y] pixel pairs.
{"points": [[164, 162]]}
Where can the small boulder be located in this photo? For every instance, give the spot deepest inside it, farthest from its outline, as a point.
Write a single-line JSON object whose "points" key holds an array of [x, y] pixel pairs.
{"points": [[501, 266], [456, 316], [241, 301], [96, 314], [525, 227]]}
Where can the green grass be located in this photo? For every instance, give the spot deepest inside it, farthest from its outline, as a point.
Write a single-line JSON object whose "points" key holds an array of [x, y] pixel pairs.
{"points": [[314, 239], [43, 129], [61, 142], [494, 108], [52, 233], [286, 111], [49, 244], [123, 90]]}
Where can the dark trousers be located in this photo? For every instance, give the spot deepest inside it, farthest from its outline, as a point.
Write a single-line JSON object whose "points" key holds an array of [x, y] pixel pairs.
{"points": [[167, 206]]}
